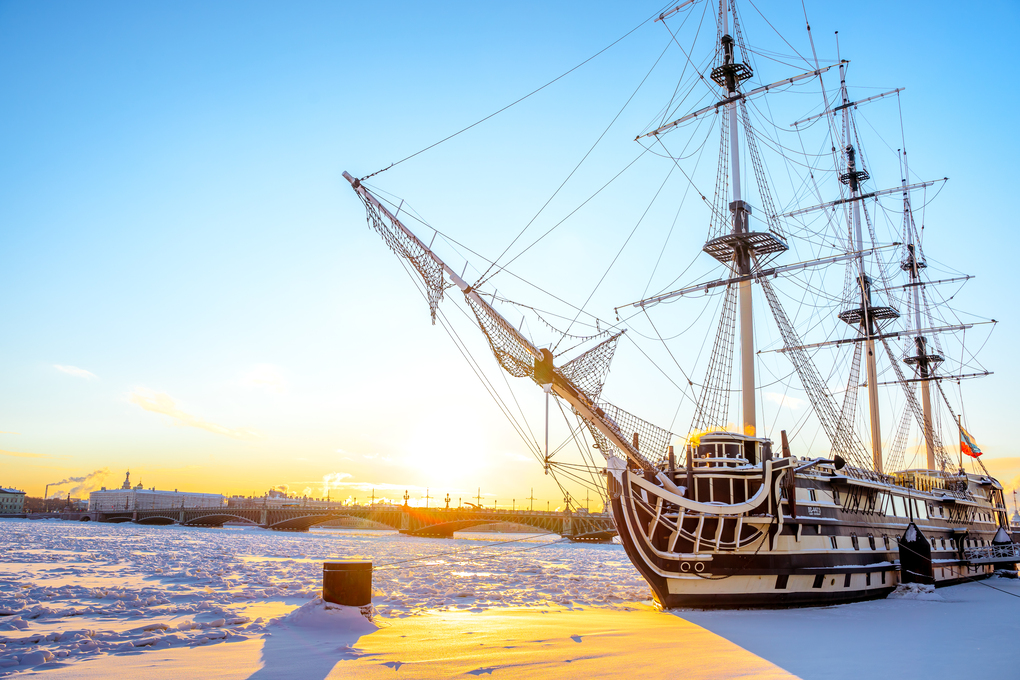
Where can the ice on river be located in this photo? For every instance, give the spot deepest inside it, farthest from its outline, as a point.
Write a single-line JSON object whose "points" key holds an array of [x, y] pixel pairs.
{"points": [[71, 590], [86, 600]]}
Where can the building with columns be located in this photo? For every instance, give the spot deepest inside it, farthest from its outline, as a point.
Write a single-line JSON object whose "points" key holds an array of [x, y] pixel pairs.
{"points": [[140, 498]]}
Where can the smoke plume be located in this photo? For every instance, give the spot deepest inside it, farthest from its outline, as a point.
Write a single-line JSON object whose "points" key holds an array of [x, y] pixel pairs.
{"points": [[82, 485]]}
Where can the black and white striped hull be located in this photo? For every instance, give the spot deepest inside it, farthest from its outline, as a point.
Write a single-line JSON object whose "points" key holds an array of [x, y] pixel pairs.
{"points": [[823, 548]]}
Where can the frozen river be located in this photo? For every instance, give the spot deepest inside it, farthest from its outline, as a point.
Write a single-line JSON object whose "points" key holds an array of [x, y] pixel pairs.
{"points": [[88, 600], [74, 589]]}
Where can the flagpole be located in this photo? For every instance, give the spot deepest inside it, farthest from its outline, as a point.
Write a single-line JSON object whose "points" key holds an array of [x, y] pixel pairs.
{"points": [[959, 424]]}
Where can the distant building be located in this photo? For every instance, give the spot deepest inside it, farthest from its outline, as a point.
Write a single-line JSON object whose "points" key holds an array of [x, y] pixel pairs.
{"points": [[278, 499], [12, 501], [274, 498], [140, 498]]}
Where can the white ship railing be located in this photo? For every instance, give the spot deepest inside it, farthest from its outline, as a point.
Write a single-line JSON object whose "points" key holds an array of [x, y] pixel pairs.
{"points": [[992, 553]]}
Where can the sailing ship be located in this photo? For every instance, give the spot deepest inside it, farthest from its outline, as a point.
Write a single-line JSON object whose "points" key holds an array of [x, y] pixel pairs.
{"points": [[741, 517]]}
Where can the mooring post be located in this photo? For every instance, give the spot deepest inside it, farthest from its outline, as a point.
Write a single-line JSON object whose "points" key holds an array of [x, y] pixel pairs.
{"points": [[348, 582]]}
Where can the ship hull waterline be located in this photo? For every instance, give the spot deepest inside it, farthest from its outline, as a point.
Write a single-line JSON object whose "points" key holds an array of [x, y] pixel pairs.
{"points": [[814, 560]]}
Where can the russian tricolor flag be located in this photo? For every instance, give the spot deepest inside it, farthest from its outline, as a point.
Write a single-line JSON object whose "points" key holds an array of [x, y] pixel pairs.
{"points": [[967, 444]]}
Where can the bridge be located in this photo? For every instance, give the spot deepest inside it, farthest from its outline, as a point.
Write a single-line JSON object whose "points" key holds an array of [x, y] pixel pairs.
{"points": [[431, 522]]}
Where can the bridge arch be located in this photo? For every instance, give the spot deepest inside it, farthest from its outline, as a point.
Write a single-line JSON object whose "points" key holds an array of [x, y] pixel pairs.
{"points": [[156, 520], [214, 519]]}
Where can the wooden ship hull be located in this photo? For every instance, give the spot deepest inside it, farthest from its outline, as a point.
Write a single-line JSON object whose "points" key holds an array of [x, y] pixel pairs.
{"points": [[826, 538]]}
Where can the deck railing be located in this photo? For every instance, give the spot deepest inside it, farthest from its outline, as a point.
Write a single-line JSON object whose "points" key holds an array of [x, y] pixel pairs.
{"points": [[993, 553]]}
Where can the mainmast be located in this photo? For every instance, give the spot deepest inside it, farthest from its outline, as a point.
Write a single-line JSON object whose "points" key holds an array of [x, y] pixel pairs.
{"points": [[924, 362], [866, 316]]}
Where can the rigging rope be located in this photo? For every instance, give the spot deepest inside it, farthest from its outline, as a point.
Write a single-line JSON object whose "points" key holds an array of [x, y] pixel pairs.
{"points": [[518, 101]]}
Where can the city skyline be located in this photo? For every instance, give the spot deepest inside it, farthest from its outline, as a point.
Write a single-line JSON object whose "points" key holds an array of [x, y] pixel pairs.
{"points": [[192, 293]]}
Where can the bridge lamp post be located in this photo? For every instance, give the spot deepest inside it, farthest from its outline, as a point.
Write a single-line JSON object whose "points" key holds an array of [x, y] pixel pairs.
{"points": [[447, 501], [513, 505]]}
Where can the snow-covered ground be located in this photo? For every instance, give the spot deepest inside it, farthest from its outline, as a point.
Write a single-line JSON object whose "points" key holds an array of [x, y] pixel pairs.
{"points": [[99, 600], [73, 590]]}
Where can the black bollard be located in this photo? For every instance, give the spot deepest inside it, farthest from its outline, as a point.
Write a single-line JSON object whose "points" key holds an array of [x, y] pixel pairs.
{"points": [[915, 557], [348, 582]]}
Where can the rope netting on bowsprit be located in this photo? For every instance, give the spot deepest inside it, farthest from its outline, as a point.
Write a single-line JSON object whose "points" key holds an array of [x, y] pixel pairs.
{"points": [[587, 374], [588, 371], [509, 347], [650, 442], [412, 250]]}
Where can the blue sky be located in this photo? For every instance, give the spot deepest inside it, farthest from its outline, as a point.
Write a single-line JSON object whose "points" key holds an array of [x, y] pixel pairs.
{"points": [[173, 221]]}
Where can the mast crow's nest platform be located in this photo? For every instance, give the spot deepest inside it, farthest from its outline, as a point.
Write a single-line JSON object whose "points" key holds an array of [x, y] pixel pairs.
{"points": [[762, 244], [855, 317]]}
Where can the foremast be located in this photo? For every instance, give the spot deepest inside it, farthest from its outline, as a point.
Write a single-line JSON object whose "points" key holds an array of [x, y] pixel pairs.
{"points": [[728, 76], [742, 249]]}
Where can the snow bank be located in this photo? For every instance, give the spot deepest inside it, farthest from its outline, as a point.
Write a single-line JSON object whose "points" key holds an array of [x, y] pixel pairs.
{"points": [[326, 617], [914, 591]]}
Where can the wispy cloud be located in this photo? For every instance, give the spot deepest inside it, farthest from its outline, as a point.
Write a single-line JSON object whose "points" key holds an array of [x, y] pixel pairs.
{"points": [[76, 372], [786, 400], [18, 454], [161, 403], [266, 377], [333, 480], [2, 432], [1002, 464]]}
